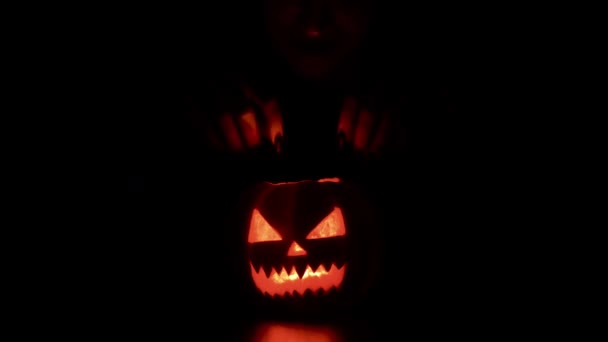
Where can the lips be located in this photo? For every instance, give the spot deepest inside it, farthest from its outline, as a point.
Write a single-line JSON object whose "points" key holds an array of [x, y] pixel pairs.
{"points": [[281, 282], [315, 46]]}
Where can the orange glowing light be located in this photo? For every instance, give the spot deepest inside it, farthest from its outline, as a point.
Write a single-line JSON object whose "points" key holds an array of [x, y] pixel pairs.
{"points": [[275, 332], [274, 120], [271, 112], [329, 180], [281, 283], [249, 128], [330, 226], [260, 230], [296, 250], [322, 180]]}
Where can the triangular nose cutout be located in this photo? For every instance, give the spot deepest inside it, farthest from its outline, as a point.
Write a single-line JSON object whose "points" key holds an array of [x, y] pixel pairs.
{"points": [[295, 250]]}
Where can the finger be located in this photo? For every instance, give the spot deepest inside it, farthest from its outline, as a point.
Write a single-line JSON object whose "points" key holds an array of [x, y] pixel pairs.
{"points": [[273, 120], [228, 127], [364, 125], [381, 134], [251, 96], [248, 125], [214, 139], [347, 119]]}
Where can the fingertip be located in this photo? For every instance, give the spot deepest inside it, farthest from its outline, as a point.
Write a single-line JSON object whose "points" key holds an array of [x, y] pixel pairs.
{"points": [[347, 118], [229, 129], [278, 143], [362, 130], [214, 139], [274, 120], [381, 134], [249, 127]]}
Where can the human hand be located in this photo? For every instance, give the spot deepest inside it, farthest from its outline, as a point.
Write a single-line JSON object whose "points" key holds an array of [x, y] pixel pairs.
{"points": [[248, 124], [361, 130]]}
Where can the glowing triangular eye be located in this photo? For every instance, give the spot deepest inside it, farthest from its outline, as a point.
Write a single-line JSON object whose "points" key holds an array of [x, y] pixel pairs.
{"points": [[330, 226], [260, 230]]}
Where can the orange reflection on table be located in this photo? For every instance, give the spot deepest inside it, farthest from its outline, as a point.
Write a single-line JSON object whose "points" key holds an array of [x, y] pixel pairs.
{"points": [[280, 332]]}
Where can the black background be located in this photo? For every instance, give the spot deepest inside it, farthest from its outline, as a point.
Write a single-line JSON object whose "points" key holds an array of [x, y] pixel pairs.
{"points": [[122, 217]]}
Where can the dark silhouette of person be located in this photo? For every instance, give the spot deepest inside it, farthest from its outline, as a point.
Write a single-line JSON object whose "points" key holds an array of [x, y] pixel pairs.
{"points": [[303, 99], [317, 39]]}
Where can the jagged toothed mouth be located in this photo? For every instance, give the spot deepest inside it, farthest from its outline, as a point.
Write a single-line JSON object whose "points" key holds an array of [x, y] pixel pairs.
{"points": [[282, 282]]}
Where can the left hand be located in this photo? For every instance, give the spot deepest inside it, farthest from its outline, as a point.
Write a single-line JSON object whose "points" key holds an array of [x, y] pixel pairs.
{"points": [[255, 125]]}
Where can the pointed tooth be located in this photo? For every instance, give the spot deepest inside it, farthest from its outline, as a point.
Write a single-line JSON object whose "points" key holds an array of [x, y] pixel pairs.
{"points": [[321, 292], [340, 262], [256, 265], [309, 270], [314, 264], [300, 269], [292, 272], [278, 266], [283, 274], [267, 269], [326, 265]]}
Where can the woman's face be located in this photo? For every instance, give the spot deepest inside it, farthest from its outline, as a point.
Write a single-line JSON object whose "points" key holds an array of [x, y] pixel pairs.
{"points": [[316, 37]]}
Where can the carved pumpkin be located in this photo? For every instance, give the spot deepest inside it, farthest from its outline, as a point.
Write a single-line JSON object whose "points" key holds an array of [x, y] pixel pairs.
{"points": [[311, 239]]}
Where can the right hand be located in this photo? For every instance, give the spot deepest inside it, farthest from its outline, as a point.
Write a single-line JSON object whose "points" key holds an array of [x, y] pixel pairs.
{"points": [[363, 129]]}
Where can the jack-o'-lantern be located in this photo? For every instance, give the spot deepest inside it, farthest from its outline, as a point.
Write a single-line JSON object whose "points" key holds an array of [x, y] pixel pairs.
{"points": [[310, 243]]}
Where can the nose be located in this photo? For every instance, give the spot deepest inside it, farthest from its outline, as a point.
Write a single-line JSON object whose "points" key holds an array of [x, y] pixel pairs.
{"points": [[296, 250], [315, 18]]}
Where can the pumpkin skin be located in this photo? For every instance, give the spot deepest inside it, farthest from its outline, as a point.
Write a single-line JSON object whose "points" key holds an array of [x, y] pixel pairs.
{"points": [[312, 246]]}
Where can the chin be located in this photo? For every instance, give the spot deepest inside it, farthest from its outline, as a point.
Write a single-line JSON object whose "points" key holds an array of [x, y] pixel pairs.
{"points": [[316, 68]]}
